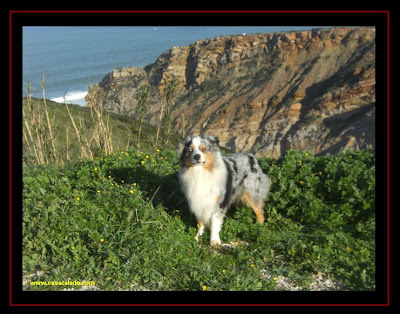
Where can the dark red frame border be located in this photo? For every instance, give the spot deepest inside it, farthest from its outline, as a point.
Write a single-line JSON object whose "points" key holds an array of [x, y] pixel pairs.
{"points": [[386, 12]]}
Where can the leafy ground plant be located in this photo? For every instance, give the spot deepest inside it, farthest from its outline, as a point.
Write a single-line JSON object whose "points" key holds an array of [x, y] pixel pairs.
{"points": [[121, 221]]}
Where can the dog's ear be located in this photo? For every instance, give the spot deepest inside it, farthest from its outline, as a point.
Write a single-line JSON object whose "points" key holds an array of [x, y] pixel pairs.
{"points": [[187, 139], [182, 144], [213, 140]]}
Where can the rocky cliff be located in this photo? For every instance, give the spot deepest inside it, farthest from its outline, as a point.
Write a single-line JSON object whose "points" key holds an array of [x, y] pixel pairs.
{"points": [[264, 93]]}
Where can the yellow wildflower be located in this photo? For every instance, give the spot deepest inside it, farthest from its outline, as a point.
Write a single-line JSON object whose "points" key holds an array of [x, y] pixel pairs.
{"points": [[204, 288]]}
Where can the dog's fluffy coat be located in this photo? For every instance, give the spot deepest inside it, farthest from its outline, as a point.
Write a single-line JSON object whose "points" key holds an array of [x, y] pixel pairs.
{"points": [[212, 183]]}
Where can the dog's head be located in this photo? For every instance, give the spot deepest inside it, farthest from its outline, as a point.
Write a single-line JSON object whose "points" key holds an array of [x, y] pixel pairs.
{"points": [[199, 151]]}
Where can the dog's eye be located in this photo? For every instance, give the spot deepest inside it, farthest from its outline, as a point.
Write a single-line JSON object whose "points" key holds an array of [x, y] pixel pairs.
{"points": [[190, 149], [204, 148]]}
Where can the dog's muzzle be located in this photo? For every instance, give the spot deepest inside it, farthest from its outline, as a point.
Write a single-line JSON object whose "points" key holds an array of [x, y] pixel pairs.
{"points": [[197, 159]]}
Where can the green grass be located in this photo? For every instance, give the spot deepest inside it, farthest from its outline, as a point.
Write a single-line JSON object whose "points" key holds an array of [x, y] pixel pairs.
{"points": [[121, 221]]}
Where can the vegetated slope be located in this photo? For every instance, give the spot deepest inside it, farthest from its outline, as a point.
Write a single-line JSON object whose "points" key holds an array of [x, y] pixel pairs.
{"points": [[265, 93], [120, 220], [122, 129]]}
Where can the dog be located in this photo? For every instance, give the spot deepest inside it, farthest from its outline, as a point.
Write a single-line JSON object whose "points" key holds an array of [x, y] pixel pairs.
{"points": [[211, 183]]}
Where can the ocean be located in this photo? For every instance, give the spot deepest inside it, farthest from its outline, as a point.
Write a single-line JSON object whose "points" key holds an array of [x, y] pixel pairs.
{"points": [[73, 57]]}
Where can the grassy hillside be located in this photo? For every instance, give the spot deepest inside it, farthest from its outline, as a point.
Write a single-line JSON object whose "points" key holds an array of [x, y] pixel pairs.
{"points": [[120, 220], [122, 129]]}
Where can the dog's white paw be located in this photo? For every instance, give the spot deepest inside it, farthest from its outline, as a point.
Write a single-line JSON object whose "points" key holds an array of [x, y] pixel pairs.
{"points": [[216, 242]]}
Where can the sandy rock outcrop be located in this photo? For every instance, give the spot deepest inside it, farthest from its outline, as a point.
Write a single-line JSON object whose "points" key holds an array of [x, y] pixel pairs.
{"points": [[264, 93]]}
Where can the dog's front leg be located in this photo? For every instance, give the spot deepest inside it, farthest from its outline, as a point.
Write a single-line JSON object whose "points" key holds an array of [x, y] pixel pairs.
{"points": [[216, 225], [200, 230]]}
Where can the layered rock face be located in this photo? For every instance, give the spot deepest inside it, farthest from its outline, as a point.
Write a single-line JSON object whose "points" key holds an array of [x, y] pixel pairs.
{"points": [[263, 93]]}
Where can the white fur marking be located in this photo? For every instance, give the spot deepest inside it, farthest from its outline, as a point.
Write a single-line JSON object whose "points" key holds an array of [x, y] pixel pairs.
{"points": [[216, 225], [197, 151], [196, 141], [202, 187]]}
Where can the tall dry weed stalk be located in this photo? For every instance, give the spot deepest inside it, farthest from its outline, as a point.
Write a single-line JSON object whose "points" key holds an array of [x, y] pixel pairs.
{"points": [[164, 119], [169, 94], [159, 124], [38, 134], [142, 105], [102, 133], [52, 151], [183, 125], [84, 145]]}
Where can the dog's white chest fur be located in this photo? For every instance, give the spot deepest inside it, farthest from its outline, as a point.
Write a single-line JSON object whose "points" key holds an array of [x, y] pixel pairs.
{"points": [[203, 189]]}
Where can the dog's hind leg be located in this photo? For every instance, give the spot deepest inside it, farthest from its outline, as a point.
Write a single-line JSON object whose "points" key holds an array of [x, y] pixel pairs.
{"points": [[257, 208], [200, 230]]}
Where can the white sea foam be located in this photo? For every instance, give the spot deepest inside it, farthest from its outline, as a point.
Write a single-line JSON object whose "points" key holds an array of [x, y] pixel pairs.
{"points": [[74, 97]]}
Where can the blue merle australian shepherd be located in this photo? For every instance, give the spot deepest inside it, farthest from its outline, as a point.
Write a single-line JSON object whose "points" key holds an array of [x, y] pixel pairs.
{"points": [[212, 183]]}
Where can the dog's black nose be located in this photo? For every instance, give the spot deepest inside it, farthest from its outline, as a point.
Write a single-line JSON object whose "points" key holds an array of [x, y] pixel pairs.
{"points": [[197, 156]]}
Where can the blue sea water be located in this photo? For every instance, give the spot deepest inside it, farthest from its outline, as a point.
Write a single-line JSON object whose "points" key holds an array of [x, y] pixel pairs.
{"points": [[73, 57]]}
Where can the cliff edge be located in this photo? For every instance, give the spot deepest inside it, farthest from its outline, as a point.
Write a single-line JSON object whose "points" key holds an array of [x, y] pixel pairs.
{"points": [[263, 93]]}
